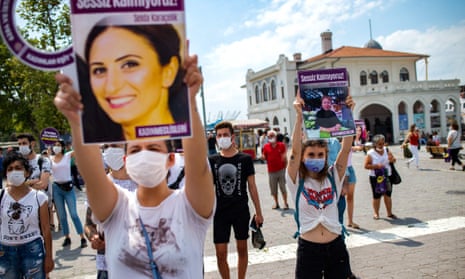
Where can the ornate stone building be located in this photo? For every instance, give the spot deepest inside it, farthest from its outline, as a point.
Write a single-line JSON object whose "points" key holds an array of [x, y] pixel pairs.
{"points": [[383, 83]]}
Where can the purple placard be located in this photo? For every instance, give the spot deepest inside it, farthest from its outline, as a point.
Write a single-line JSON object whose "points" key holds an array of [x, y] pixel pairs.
{"points": [[115, 6], [35, 58], [338, 75], [173, 130], [49, 136]]}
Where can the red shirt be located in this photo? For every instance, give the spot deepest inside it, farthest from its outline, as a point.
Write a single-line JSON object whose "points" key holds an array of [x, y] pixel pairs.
{"points": [[275, 156], [414, 139]]}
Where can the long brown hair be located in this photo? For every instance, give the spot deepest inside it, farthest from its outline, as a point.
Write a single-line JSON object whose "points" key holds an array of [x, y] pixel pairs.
{"points": [[303, 171]]}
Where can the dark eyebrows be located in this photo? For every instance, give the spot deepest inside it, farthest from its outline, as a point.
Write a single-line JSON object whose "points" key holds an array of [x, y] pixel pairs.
{"points": [[117, 59]]}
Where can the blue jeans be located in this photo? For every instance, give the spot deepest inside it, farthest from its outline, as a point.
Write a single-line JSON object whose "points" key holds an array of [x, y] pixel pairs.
{"points": [[69, 197], [23, 261]]}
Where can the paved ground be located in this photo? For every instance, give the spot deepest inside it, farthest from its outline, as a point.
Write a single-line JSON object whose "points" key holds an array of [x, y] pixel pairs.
{"points": [[427, 241]]}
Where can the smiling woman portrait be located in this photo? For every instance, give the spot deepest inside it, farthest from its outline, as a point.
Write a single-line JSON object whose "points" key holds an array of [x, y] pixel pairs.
{"points": [[130, 77]]}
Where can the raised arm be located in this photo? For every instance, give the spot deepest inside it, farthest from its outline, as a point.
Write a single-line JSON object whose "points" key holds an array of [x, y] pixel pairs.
{"points": [[101, 192], [199, 182], [346, 146], [294, 158]]}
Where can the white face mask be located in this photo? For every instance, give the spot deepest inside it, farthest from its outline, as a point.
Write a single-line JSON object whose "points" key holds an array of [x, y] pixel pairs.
{"points": [[147, 168], [224, 142], [24, 150], [56, 149], [114, 157], [272, 140], [15, 177]]}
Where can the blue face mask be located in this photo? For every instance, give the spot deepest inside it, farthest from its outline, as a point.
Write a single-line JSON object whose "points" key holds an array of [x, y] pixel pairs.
{"points": [[315, 165]]}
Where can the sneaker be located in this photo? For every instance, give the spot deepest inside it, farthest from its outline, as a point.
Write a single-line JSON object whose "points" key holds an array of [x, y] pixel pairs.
{"points": [[67, 242], [83, 243]]}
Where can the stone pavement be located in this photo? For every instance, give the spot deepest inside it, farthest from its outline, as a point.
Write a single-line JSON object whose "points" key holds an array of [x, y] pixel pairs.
{"points": [[426, 241]]}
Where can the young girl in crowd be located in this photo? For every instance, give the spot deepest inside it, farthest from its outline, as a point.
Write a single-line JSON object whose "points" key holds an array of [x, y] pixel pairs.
{"points": [[321, 248], [156, 231]]}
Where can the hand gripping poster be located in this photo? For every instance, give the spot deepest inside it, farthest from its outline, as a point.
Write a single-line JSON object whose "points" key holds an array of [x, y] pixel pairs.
{"points": [[129, 57], [325, 112]]}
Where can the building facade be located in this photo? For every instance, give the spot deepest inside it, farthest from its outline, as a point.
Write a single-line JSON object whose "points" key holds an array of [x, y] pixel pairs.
{"points": [[384, 85]]}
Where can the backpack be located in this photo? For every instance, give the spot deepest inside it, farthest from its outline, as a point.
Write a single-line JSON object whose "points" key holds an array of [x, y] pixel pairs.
{"points": [[297, 198]]}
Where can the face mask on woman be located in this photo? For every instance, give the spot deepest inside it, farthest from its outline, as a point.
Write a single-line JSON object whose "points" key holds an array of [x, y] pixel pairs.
{"points": [[315, 165], [15, 177], [379, 149], [224, 142], [114, 157], [147, 168], [57, 149]]}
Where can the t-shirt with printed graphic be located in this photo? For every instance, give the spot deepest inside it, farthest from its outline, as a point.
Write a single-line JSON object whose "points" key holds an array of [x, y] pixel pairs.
{"points": [[20, 219], [36, 170], [230, 176], [176, 232]]}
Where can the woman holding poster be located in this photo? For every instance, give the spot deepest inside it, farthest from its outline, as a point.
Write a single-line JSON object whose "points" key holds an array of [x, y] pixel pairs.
{"points": [[155, 232], [137, 84]]}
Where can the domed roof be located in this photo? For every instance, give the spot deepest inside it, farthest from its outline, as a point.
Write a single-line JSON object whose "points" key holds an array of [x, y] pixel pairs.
{"points": [[373, 44]]}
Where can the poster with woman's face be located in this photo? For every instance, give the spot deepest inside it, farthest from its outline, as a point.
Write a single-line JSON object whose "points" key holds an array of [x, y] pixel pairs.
{"points": [[325, 111], [130, 74]]}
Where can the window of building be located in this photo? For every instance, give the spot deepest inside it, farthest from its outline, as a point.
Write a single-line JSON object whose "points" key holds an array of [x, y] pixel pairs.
{"points": [[273, 90], [282, 92], [257, 95], [363, 78], [384, 77], [403, 76], [374, 77], [275, 121], [264, 93], [250, 100]]}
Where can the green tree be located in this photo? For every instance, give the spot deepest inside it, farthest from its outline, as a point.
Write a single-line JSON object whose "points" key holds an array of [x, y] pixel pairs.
{"points": [[26, 94]]}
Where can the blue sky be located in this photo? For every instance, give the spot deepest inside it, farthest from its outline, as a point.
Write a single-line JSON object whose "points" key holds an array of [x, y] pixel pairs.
{"points": [[231, 37]]}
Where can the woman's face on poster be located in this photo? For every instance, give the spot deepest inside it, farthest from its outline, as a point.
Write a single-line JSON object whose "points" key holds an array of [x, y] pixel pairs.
{"points": [[125, 75], [326, 103]]}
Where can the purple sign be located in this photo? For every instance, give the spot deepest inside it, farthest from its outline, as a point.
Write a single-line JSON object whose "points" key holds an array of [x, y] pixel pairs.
{"points": [[105, 6], [41, 60], [49, 136]]}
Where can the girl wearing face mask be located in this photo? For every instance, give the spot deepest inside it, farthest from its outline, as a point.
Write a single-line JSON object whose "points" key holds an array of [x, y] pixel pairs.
{"points": [[376, 159], [26, 241], [63, 192], [321, 248], [155, 231]]}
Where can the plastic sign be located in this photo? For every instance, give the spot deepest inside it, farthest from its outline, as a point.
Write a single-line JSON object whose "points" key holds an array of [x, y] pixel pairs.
{"points": [[33, 57], [49, 136]]}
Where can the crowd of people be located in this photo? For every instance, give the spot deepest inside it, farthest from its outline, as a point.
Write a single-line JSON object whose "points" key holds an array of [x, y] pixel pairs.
{"points": [[150, 203]]}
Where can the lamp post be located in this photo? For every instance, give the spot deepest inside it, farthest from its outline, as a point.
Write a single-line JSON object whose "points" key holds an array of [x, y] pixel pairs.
{"points": [[203, 102]]}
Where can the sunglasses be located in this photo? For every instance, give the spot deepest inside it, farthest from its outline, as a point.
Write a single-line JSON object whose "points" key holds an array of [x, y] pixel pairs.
{"points": [[17, 208]]}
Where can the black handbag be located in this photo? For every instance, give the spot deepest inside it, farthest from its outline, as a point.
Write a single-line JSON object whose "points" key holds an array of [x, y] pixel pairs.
{"points": [[394, 178], [66, 186]]}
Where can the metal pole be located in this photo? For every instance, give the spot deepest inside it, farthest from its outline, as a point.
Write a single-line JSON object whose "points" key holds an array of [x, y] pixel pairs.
{"points": [[203, 102]]}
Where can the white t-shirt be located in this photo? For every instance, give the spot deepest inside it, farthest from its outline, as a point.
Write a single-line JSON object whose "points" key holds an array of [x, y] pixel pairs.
{"points": [[454, 136], [36, 170], [62, 170], [177, 235], [26, 227], [376, 159], [317, 203]]}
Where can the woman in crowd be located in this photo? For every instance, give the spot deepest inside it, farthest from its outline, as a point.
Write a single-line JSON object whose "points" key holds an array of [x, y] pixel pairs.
{"points": [[26, 241], [454, 145], [63, 192], [317, 188], [156, 231], [378, 159], [413, 137]]}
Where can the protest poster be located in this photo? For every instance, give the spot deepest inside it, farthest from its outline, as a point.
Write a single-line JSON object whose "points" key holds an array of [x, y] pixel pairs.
{"points": [[325, 113], [129, 57]]}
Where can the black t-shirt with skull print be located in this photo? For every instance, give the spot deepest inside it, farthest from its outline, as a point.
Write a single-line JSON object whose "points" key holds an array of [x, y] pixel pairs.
{"points": [[230, 178]]}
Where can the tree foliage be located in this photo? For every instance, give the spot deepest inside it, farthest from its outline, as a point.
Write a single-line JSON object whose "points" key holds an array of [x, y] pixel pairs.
{"points": [[26, 94]]}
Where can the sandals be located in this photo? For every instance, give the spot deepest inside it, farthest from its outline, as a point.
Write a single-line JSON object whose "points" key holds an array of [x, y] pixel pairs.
{"points": [[354, 226], [376, 217], [392, 216], [276, 207], [286, 207]]}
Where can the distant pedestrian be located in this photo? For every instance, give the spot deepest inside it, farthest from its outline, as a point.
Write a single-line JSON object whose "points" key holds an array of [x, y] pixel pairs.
{"points": [[413, 137], [454, 146], [275, 154]]}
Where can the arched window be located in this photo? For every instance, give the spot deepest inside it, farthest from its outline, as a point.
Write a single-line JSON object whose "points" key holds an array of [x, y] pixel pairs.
{"points": [[384, 76], [257, 95], [374, 77], [363, 78], [264, 92], [273, 90], [403, 75], [275, 121]]}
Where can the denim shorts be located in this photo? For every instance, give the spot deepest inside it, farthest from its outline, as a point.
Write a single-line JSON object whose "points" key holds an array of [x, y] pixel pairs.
{"points": [[350, 174], [25, 260]]}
